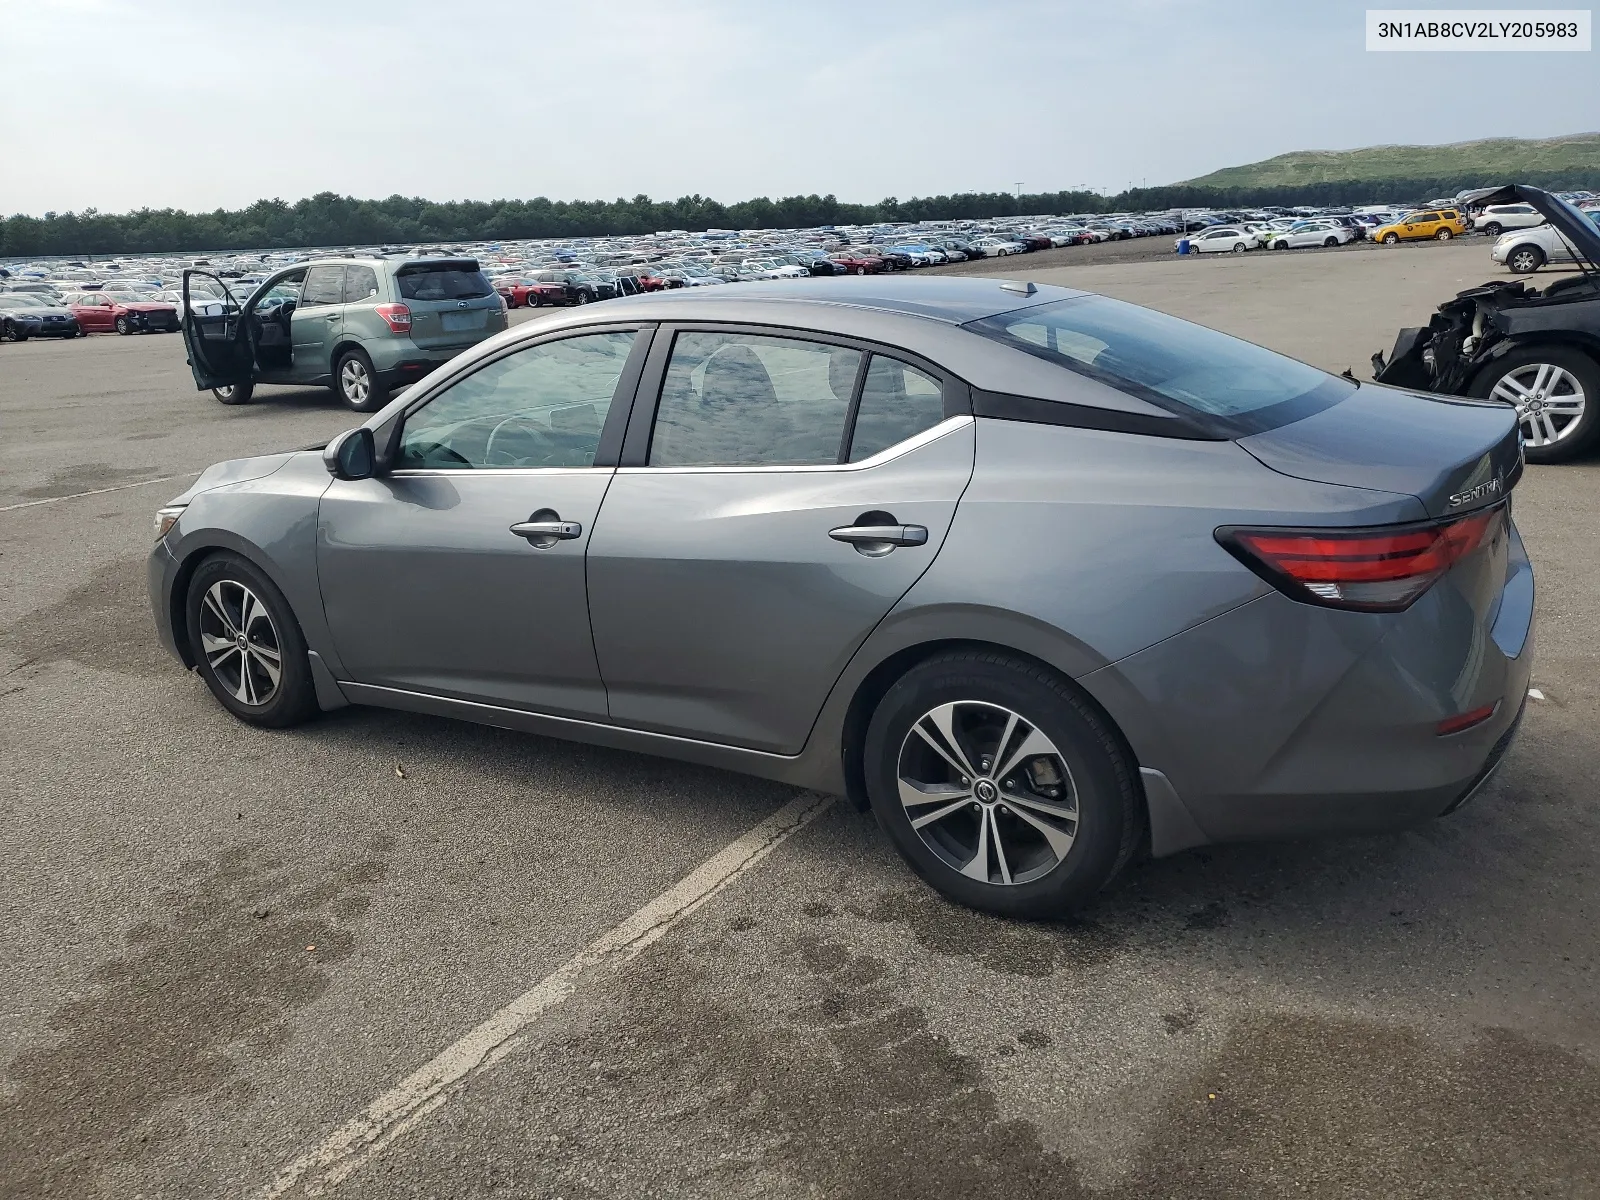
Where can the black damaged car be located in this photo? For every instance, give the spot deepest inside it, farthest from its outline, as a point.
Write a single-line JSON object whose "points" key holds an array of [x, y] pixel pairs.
{"points": [[1503, 340]]}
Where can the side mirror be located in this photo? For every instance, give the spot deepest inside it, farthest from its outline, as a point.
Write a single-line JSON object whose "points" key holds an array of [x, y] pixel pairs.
{"points": [[350, 455]]}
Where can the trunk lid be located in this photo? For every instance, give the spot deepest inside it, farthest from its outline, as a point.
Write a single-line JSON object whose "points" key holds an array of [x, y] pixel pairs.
{"points": [[452, 303], [1452, 454]]}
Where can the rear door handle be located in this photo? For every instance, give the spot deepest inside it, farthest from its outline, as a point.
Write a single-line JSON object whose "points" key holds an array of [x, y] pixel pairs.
{"points": [[885, 535], [547, 533]]}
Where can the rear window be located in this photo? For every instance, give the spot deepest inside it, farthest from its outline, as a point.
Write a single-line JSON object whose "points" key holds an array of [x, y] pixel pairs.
{"points": [[443, 283], [1228, 385]]}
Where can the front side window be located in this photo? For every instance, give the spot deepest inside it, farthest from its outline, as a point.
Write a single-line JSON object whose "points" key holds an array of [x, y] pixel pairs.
{"points": [[324, 285], [897, 402], [739, 399], [1229, 384], [540, 407]]}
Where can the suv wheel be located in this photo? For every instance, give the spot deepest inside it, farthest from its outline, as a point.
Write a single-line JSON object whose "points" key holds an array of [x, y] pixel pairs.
{"points": [[247, 645], [1444, 235], [357, 384], [238, 393], [1525, 260], [1390, 239], [1000, 786], [1492, 229], [1556, 392]]}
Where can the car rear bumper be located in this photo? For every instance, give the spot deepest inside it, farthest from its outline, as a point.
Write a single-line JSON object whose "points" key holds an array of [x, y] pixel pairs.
{"points": [[1283, 720]]}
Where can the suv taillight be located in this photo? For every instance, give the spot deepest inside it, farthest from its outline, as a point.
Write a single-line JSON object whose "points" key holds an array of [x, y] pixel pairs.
{"points": [[1380, 569], [396, 316]]}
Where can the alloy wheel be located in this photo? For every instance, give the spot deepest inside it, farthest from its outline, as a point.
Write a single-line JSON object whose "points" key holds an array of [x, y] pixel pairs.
{"points": [[1524, 262], [241, 642], [1549, 401], [988, 793], [354, 381]]}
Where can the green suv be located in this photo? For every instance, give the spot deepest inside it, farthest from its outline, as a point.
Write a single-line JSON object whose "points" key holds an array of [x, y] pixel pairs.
{"points": [[363, 326]]}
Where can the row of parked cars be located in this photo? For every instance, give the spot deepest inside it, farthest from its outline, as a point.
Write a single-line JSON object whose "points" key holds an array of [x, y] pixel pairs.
{"points": [[1524, 241]]}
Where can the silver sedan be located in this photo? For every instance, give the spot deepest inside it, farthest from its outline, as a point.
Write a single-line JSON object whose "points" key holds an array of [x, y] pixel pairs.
{"points": [[1044, 578]]}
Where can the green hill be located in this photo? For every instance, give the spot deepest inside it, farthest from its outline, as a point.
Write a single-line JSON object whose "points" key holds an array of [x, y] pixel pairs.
{"points": [[1493, 160]]}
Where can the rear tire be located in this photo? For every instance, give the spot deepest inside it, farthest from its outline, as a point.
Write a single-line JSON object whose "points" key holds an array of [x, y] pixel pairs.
{"points": [[239, 393], [1239, 247], [357, 384], [1330, 240], [225, 593], [1525, 260], [1444, 235], [1492, 229], [1576, 436], [1063, 860]]}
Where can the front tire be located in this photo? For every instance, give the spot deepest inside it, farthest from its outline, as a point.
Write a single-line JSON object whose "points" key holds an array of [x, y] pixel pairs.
{"points": [[1525, 260], [1000, 785], [1556, 392], [238, 393], [247, 645], [123, 327], [357, 384], [1389, 239]]}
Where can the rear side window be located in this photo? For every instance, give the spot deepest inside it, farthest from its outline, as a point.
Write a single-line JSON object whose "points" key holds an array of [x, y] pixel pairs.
{"points": [[324, 285], [360, 284], [1230, 385], [736, 399], [897, 402], [444, 282]]}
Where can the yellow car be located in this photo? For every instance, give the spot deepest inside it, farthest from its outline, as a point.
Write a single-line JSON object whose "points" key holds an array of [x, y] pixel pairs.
{"points": [[1440, 223]]}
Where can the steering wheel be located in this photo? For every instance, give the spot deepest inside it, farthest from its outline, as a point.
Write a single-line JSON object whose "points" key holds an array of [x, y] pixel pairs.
{"points": [[542, 447], [436, 454]]}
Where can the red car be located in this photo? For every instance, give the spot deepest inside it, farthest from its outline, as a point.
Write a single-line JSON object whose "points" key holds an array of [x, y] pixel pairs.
{"points": [[858, 264], [101, 312], [529, 293]]}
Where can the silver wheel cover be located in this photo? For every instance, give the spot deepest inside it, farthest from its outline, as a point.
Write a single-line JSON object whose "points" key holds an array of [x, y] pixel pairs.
{"points": [[988, 793], [1549, 401], [240, 642], [353, 379]]}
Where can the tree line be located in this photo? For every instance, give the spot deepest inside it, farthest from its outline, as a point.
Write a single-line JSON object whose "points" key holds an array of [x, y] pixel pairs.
{"points": [[328, 219]]}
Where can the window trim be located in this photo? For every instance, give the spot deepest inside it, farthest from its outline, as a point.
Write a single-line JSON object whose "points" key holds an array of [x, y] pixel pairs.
{"points": [[611, 430], [641, 424]]}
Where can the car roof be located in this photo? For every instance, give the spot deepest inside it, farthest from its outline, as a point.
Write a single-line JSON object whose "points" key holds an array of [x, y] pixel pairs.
{"points": [[952, 299]]}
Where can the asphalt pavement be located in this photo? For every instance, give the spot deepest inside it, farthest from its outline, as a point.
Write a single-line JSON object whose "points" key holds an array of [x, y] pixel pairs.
{"points": [[220, 945]]}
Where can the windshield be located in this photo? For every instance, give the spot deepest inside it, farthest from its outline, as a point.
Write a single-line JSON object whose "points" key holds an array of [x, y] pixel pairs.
{"points": [[1232, 385]]}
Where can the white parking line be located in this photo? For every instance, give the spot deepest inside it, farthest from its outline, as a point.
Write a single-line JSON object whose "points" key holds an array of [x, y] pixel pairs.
{"points": [[121, 487], [409, 1102]]}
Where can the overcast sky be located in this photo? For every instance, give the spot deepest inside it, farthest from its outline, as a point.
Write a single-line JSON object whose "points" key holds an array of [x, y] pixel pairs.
{"points": [[201, 103]]}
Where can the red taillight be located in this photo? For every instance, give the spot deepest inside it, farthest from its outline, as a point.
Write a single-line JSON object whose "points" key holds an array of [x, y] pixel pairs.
{"points": [[1373, 570], [1461, 722], [396, 316]]}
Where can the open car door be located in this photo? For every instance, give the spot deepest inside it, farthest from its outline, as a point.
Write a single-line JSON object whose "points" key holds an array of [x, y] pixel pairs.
{"points": [[220, 354]]}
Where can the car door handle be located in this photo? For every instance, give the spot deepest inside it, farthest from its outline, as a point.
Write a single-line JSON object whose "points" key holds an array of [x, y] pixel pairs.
{"points": [[886, 535], [560, 531]]}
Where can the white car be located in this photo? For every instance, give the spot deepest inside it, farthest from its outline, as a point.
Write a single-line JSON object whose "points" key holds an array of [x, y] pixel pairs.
{"points": [[995, 247], [1310, 233], [1224, 239], [1498, 218]]}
